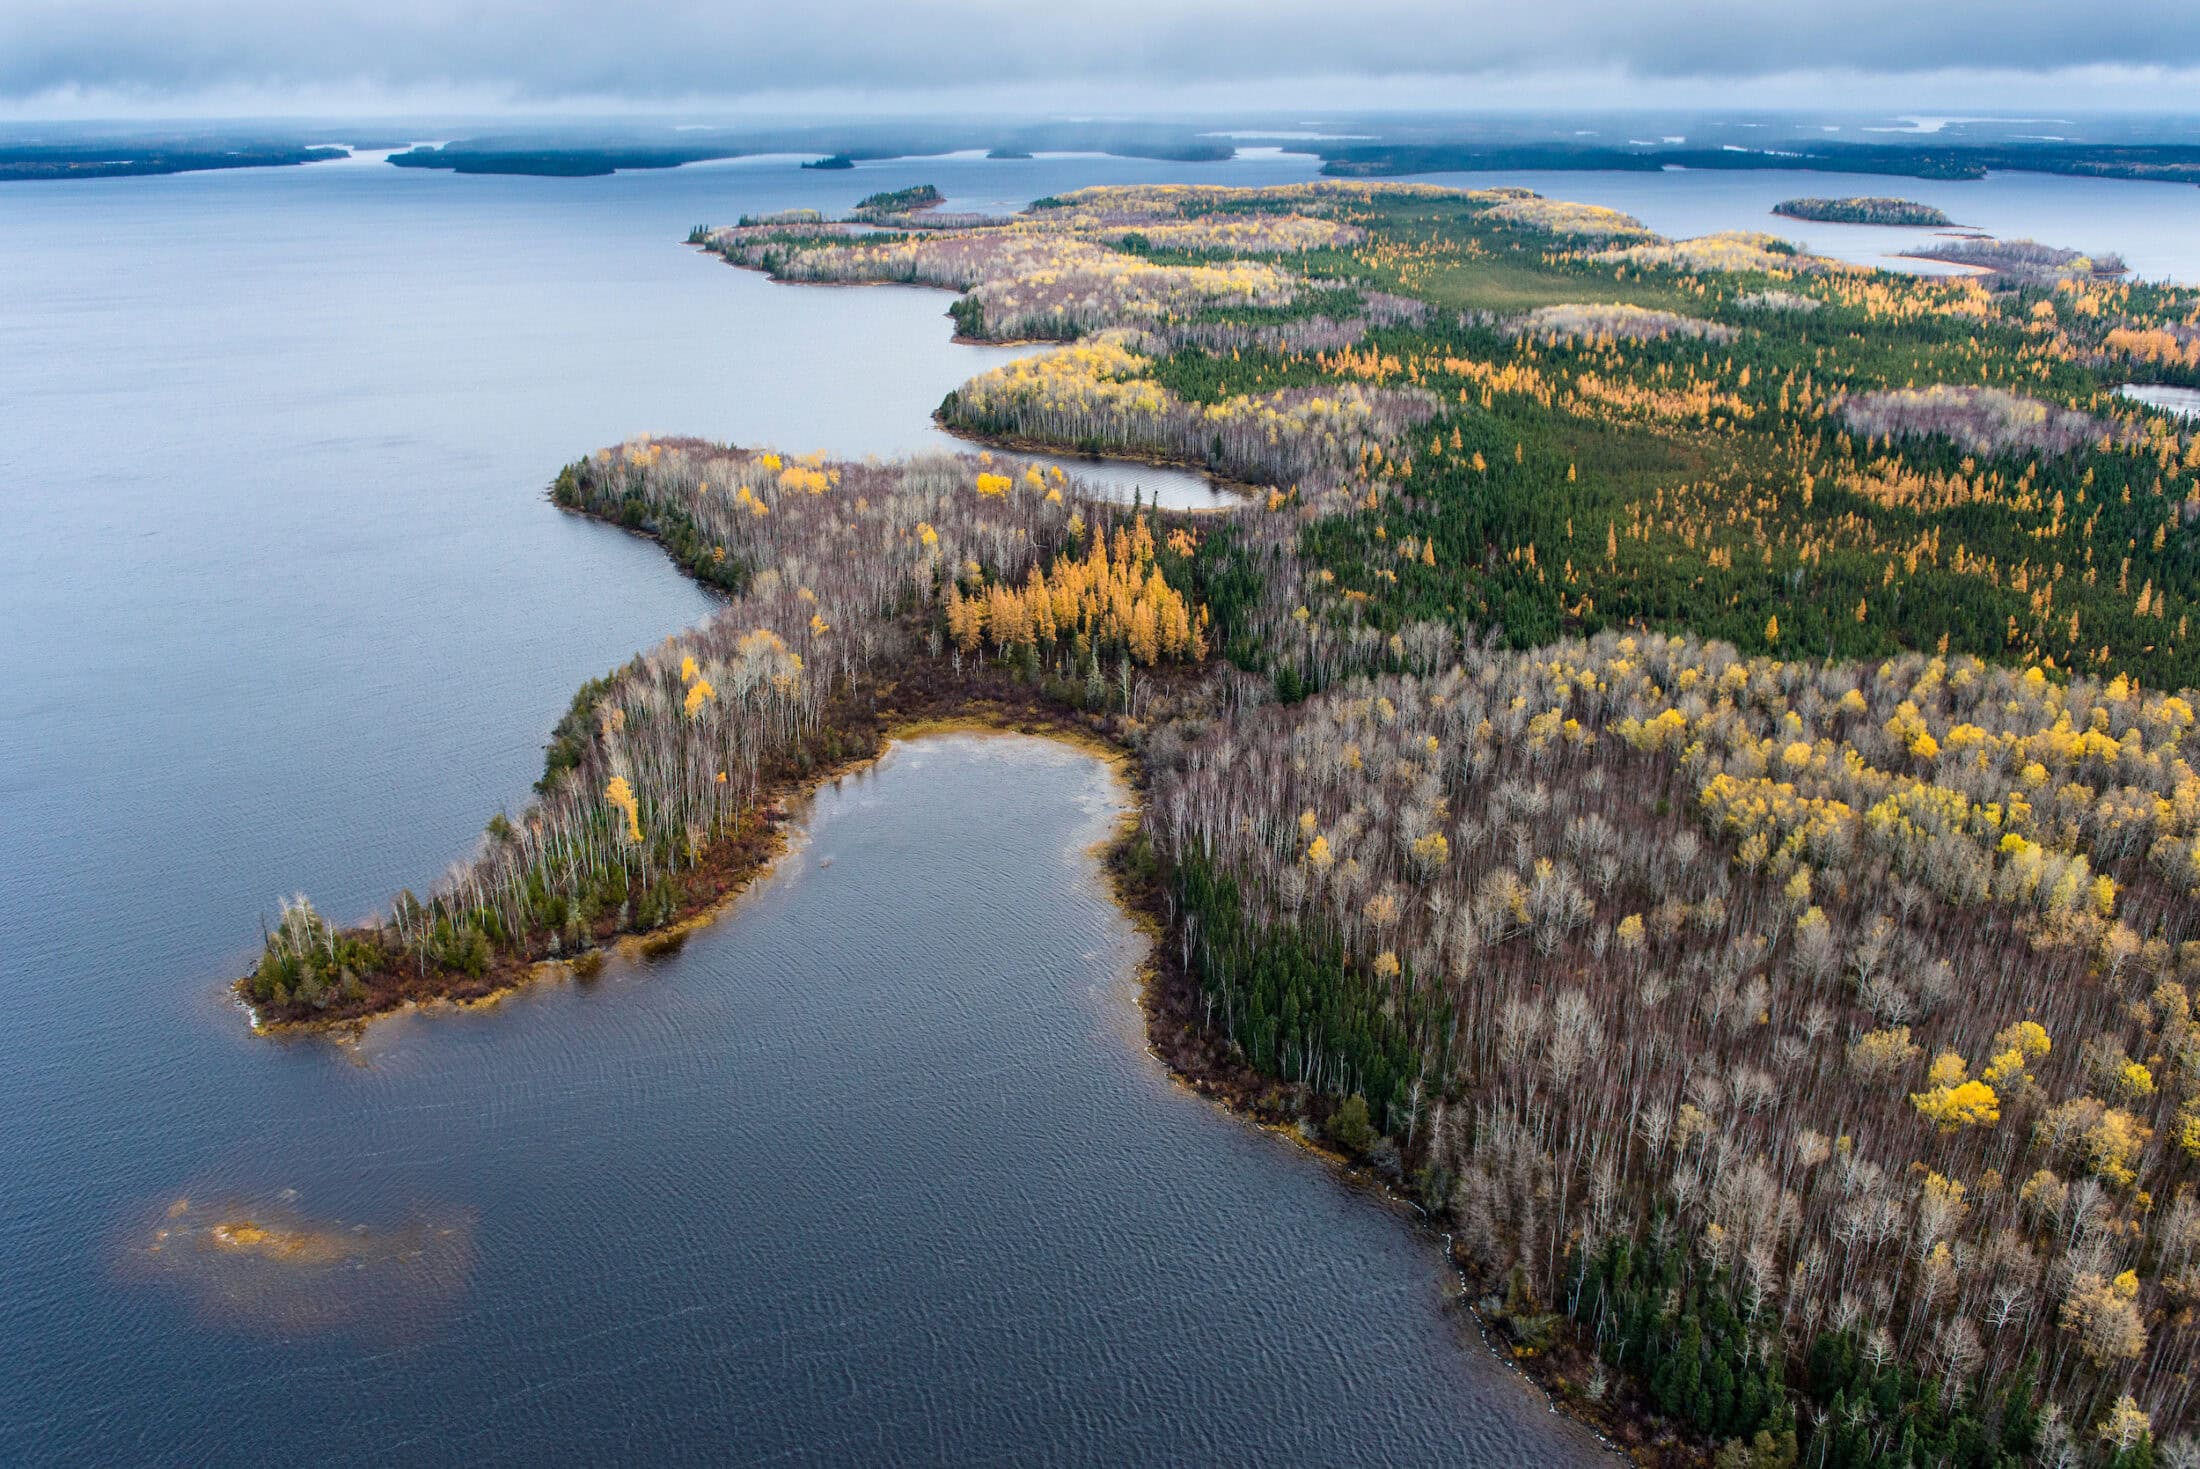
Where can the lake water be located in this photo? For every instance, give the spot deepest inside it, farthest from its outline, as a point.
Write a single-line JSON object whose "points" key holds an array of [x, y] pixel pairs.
{"points": [[875, 1167], [2184, 402], [873, 1170], [2155, 227]]}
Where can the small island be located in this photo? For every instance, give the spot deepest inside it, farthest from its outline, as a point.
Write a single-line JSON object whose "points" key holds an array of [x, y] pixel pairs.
{"points": [[1863, 209], [832, 161], [901, 201]]}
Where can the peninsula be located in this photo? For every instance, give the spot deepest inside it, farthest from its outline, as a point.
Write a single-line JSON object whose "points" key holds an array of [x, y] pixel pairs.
{"points": [[2025, 261], [1685, 771], [49, 162]]}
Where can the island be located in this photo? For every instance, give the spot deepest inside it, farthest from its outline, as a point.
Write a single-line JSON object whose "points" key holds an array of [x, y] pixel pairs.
{"points": [[900, 201], [1691, 791], [832, 161], [1866, 209], [545, 160]]}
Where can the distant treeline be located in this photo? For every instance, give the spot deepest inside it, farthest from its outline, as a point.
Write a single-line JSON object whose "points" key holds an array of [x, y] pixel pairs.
{"points": [[44, 162], [2166, 163], [571, 156], [552, 162], [1377, 150]]}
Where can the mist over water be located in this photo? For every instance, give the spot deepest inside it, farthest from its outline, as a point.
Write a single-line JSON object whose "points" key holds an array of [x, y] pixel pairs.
{"points": [[875, 1167]]}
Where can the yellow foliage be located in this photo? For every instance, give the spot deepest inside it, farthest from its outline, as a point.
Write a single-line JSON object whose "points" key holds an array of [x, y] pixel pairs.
{"points": [[1966, 1104], [1113, 596], [620, 795]]}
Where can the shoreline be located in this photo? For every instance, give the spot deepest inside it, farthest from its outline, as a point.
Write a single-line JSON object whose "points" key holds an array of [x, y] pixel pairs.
{"points": [[1195, 1061], [1167, 996], [736, 860], [986, 700], [1250, 495], [918, 701]]}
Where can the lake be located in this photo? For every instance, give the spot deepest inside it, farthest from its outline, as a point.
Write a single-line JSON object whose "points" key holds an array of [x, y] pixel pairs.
{"points": [[875, 1166]]}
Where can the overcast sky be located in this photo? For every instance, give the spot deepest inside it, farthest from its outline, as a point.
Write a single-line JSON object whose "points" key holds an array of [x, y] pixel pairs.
{"points": [[116, 57]]}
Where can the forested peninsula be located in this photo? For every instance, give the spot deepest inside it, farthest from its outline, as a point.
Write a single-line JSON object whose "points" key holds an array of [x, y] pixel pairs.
{"points": [[55, 161], [1685, 772]]}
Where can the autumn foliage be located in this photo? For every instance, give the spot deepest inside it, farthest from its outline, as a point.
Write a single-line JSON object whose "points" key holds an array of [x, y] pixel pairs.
{"points": [[1684, 764]]}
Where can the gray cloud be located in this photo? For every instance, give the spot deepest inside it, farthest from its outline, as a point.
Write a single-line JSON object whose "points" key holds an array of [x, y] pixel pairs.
{"points": [[967, 49]]}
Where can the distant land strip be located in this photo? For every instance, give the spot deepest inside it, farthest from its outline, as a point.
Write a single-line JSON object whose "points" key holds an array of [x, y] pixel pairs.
{"points": [[845, 147]]}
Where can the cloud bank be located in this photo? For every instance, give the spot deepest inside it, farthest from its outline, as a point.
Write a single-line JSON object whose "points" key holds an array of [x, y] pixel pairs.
{"points": [[979, 54]]}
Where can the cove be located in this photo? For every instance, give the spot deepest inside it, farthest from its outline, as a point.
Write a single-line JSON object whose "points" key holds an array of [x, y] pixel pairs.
{"points": [[874, 1168]]}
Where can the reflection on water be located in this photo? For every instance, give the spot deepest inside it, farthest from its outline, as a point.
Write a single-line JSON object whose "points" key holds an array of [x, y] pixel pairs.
{"points": [[874, 1169], [2182, 401], [267, 1265]]}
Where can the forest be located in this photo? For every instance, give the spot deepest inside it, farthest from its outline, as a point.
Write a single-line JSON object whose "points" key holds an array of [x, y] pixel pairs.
{"points": [[2021, 261], [1681, 766]]}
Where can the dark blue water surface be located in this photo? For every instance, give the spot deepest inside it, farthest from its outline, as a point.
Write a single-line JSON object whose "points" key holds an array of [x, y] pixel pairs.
{"points": [[875, 1169]]}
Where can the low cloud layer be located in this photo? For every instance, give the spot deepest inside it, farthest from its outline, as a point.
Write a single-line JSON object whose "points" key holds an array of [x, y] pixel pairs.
{"points": [[974, 53]]}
